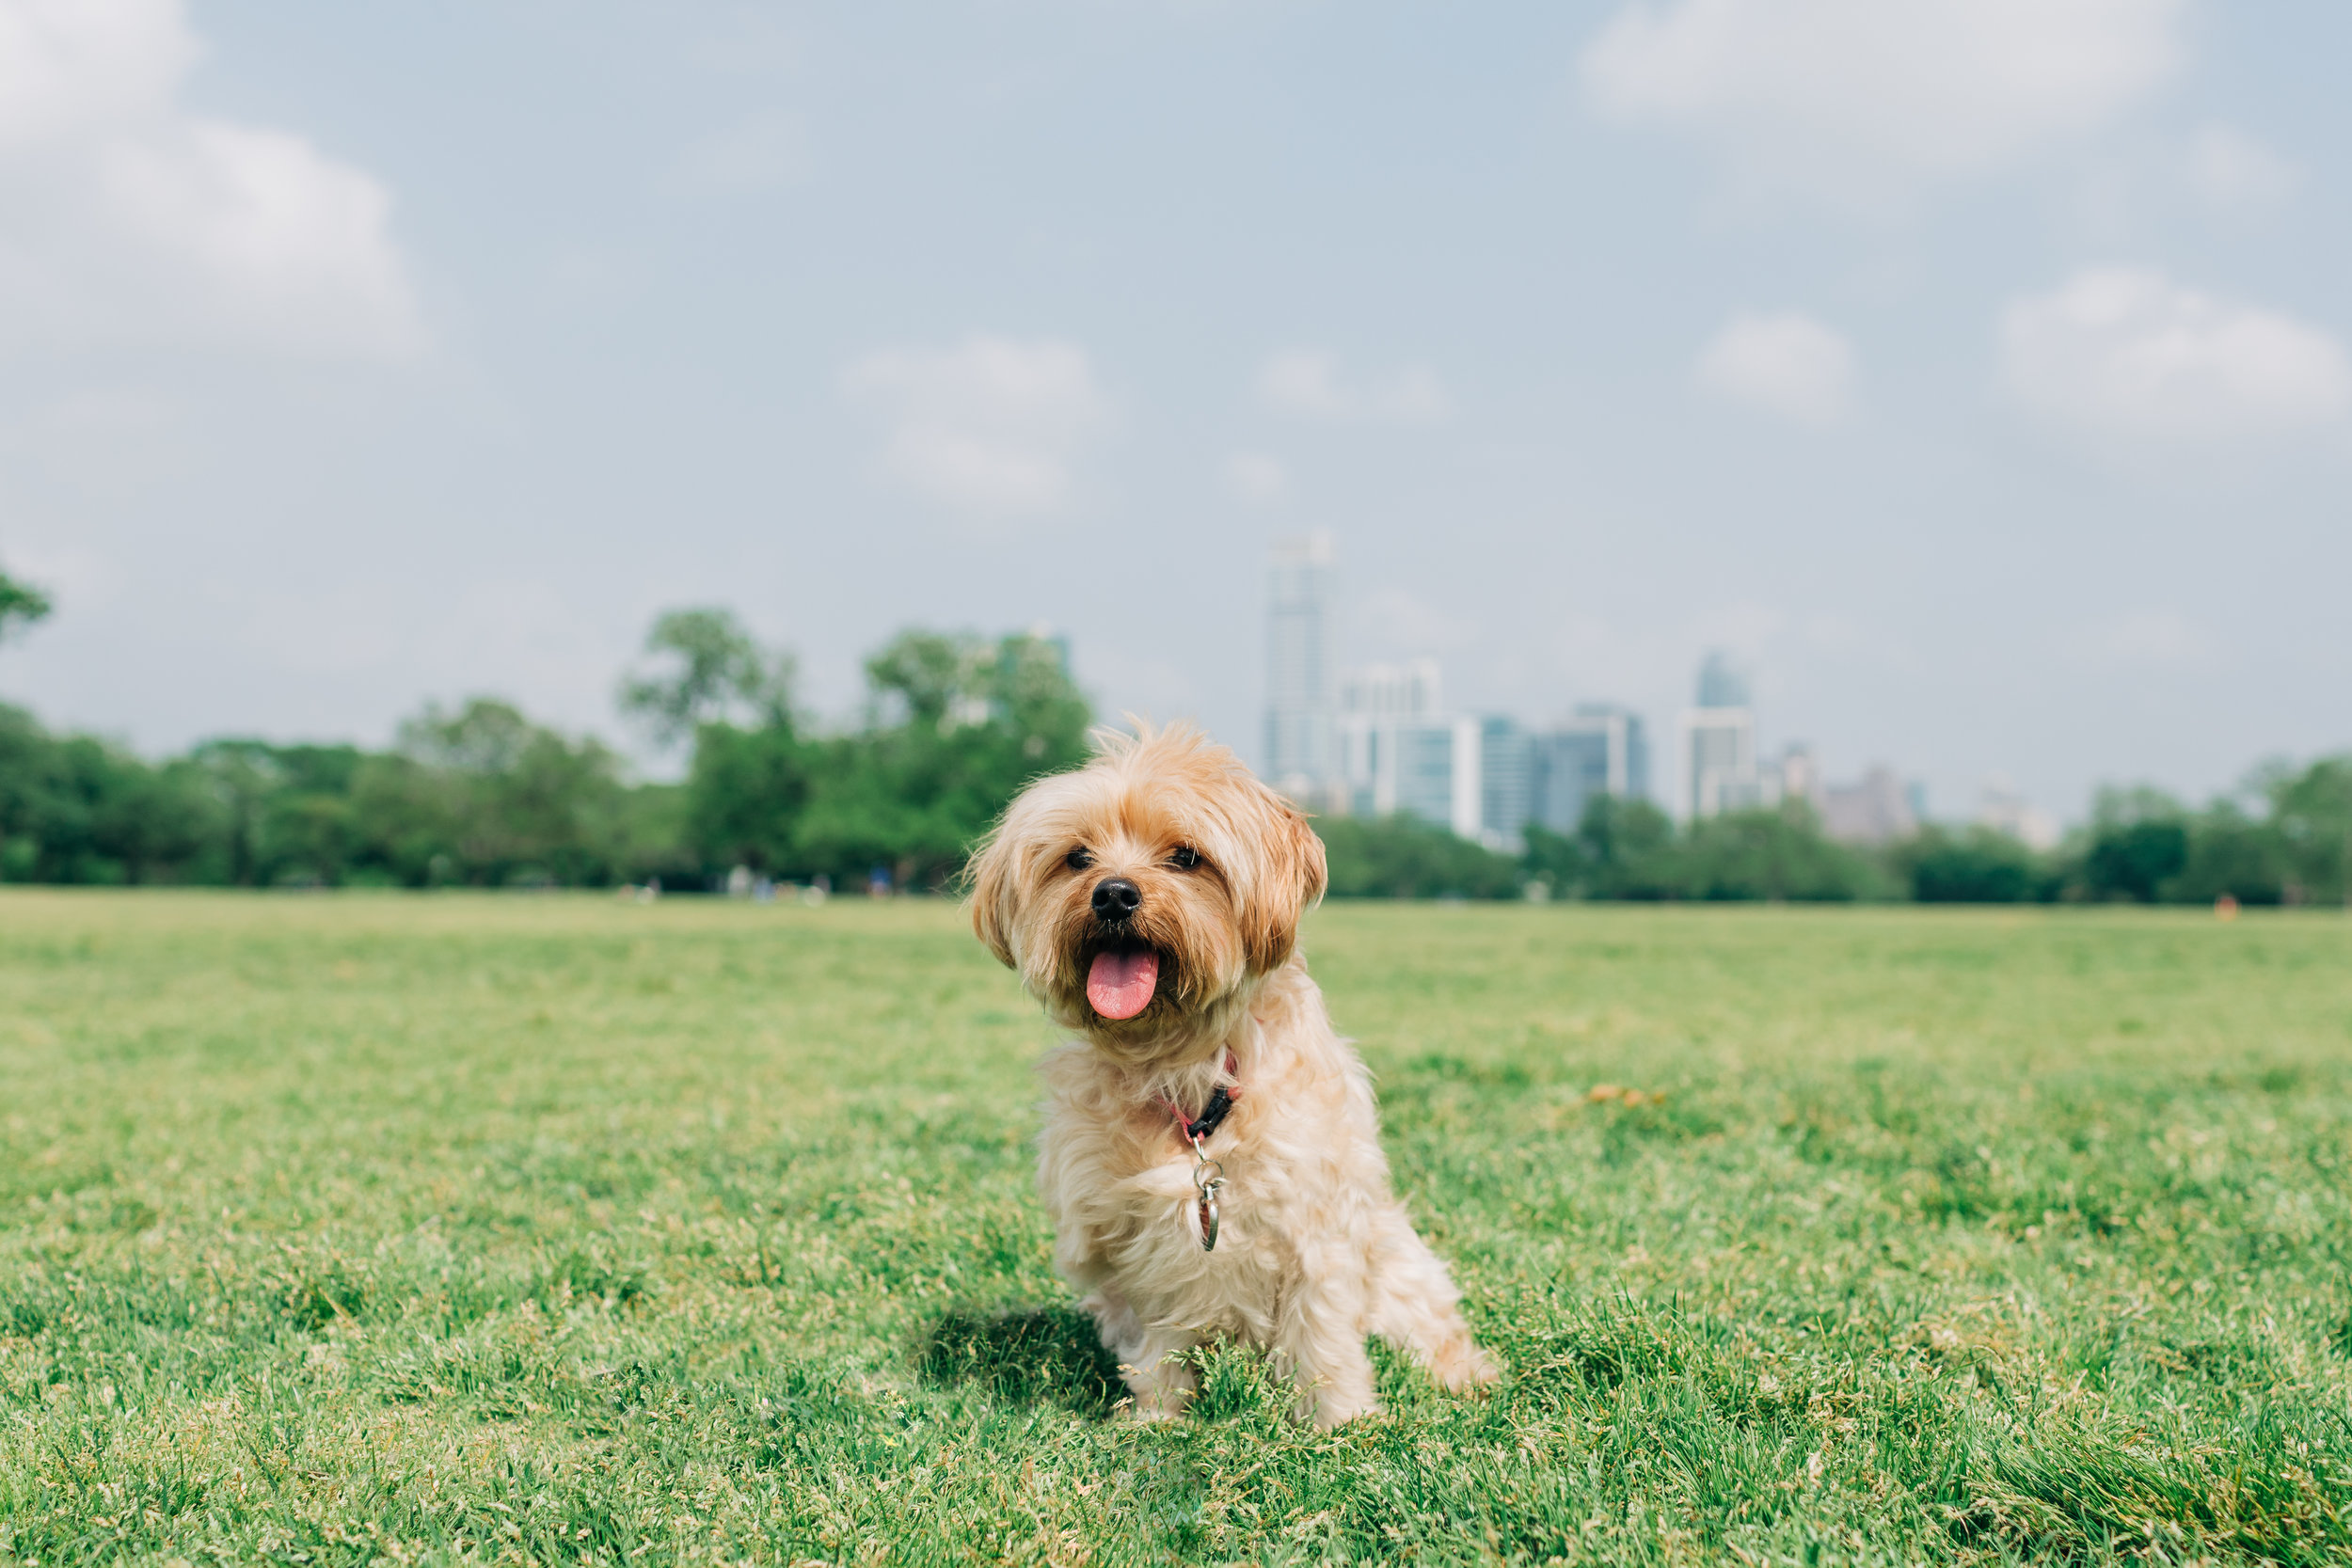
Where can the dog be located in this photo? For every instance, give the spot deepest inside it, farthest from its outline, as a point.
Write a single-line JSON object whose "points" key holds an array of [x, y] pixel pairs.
{"points": [[1210, 1153]]}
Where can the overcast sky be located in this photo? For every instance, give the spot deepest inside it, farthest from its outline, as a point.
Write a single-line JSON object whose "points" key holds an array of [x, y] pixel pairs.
{"points": [[1975, 369]]}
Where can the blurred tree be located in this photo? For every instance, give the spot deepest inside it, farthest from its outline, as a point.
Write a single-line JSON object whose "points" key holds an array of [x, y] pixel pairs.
{"points": [[407, 819], [21, 605], [2231, 852], [1774, 854], [956, 725], [152, 822], [310, 834], [1629, 847], [2138, 842], [711, 670], [241, 776], [1556, 860], [1404, 857], [1978, 865], [934, 678], [34, 793], [2312, 813], [77, 808], [2136, 861], [745, 796], [523, 804]]}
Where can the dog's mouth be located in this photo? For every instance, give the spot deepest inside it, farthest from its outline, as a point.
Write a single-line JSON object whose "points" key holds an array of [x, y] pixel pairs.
{"points": [[1121, 979]]}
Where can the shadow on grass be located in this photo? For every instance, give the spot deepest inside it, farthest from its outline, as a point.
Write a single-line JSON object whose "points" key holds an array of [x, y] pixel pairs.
{"points": [[1027, 1355]]}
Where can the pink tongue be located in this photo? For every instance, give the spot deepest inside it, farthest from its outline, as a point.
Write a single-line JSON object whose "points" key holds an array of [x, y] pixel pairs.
{"points": [[1121, 984]]}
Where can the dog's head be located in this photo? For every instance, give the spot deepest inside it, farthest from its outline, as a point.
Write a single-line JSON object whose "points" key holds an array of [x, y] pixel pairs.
{"points": [[1143, 895]]}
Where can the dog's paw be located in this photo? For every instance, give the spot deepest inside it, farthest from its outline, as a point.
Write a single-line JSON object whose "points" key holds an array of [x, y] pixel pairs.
{"points": [[1460, 1366]]}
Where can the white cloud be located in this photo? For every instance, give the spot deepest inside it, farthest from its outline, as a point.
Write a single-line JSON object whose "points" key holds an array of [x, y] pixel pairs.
{"points": [[1307, 384], [2125, 353], [72, 68], [2228, 169], [993, 427], [1834, 93], [1785, 364], [125, 217], [1256, 478]]}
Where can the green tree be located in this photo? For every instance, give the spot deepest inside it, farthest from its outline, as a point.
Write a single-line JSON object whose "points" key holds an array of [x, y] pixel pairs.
{"points": [[77, 808], [748, 781], [310, 834], [1978, 865], [407, 820], [524, 805], [241, 777], [1557, 860], [28, 777], [707, 669], [21, 605], [934, 678], [956, 725], [154, 823], [1774, 854], [1628, 847], [2136, 861], [2138, 843], [745, 796], [1404, 857], [2311, 811], [2230, 852]]}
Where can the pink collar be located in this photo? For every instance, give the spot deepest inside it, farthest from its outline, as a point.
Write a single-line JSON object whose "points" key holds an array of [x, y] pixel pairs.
{"points": [[1222, 1099]]}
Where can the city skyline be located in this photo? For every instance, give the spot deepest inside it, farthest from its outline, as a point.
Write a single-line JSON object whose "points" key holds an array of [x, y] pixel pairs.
{"points": [[1374, 739]]}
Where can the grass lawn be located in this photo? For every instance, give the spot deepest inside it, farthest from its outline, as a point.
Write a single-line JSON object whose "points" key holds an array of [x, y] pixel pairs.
{"points": [[429, 1228]]}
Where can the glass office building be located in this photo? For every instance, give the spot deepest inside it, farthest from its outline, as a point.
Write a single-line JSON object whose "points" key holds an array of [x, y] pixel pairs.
{"points": [[1300, 752], [1600, 750]]}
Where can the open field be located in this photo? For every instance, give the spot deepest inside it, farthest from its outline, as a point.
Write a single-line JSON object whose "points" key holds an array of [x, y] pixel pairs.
{"points": [[469, 1228]]}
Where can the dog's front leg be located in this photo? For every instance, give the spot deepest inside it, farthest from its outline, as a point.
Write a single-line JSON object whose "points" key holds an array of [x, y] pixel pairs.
{"points": [[1151, 1360], [1319, 1338]]}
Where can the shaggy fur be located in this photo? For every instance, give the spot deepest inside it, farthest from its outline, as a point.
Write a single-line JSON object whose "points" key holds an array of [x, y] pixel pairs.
{"points": [[1316, 1252]]}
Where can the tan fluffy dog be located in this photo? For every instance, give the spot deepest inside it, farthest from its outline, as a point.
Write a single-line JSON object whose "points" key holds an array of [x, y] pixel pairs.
{"points": [[1151, 901]]}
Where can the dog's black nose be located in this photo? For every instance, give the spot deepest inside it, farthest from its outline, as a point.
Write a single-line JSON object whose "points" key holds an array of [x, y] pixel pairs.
{"points": [[1115, 899]]}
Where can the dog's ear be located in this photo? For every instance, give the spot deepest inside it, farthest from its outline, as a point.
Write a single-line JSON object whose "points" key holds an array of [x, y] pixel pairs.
{"points": [[990, 877], [1290, 882]]}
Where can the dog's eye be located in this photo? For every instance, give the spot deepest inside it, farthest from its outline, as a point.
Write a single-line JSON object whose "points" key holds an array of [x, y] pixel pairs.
{"points": [[1079, 859], [1183, 857]]}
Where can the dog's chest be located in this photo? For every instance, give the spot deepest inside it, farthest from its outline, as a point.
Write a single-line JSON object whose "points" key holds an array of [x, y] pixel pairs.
{"points": [[1160, 1203], [1155, 1252]]}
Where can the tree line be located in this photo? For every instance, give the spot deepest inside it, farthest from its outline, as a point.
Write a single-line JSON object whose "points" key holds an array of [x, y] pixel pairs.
{"points": [[482, 795], [2285, 837], [953, 724]]}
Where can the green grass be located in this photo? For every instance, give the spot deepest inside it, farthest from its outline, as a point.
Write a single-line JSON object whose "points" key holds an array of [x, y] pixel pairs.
{"points": [[429, 1228]]}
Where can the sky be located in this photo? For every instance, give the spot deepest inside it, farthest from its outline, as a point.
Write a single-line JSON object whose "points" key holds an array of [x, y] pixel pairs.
{"points": [[1975, 370]]}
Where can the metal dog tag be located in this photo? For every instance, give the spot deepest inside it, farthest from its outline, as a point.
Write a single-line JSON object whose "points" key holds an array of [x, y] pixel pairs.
{"points": [[1207, 1176]]}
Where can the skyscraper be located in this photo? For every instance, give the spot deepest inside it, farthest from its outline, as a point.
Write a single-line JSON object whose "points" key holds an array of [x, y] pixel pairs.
{"points": [[1426, 766], [1601, 750], [1719, 766], [1298, 710], [1878, 810], [1505, 783], [1410, 691], [1721, 682], [1395, 751]]}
